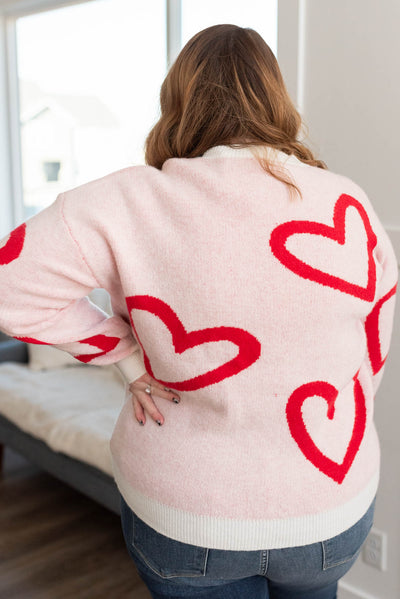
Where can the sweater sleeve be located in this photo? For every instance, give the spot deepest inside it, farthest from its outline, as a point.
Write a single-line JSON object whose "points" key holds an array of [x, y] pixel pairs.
{"points": [[44, 283], [379, 322]]}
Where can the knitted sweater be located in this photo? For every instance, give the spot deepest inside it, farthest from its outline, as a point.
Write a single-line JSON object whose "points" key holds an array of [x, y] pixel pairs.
{"points": [[271, 316]]}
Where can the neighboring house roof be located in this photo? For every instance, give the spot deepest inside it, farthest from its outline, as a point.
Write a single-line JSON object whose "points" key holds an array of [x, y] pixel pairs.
{"points": [[86, 111]]}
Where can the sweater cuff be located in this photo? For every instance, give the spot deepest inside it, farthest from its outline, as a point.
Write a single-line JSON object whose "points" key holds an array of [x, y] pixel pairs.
{"points": [[131, 367]]}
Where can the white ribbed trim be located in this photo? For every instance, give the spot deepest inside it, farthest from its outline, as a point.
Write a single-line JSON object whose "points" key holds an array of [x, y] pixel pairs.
{"points": [[131, 367], [252, 151], [245, 535]]}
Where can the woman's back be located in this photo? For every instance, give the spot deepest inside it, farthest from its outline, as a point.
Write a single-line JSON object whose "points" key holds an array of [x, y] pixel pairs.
{"points": [[252, 306]]}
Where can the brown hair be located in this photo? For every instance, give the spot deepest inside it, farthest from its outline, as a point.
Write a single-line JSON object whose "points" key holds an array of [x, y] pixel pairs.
{"points": [[226, 88]]}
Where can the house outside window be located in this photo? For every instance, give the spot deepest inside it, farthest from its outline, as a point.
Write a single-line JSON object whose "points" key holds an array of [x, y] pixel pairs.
{"points": [[51, 170]]}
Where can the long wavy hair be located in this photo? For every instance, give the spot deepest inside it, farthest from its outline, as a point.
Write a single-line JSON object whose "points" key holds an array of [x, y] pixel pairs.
{"points": [[226, 88]]}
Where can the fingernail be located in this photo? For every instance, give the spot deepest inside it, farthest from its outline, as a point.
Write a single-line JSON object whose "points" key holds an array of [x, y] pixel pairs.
{"points": [[159, 422], [141, 422], [175, 400]]}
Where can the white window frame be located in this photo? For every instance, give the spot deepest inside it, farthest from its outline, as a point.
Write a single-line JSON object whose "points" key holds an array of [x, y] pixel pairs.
{"points": [[291, 37]]}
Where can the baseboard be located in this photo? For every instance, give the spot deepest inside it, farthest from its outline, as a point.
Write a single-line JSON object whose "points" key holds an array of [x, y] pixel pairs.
{"points": [[346, 591]]}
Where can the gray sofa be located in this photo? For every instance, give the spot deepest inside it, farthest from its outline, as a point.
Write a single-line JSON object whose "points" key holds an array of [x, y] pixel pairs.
{"points": [[87, 479]]}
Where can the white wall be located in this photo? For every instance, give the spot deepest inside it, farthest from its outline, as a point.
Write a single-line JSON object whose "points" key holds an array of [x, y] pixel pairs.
{"points": [[352, 93], [342, 66]]}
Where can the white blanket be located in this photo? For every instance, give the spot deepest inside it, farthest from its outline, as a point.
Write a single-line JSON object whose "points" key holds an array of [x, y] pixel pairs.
{"points": [[73, 409]]}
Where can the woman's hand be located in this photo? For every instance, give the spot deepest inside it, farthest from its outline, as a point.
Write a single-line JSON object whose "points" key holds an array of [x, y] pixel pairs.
{"points": [[143, 400]]}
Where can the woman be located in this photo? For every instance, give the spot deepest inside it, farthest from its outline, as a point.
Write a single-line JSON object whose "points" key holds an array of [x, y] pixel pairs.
{"points": [[250, 285]]}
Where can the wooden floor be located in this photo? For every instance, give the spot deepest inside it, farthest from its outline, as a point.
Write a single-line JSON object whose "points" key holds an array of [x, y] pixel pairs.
{"points": [[57, 544]]}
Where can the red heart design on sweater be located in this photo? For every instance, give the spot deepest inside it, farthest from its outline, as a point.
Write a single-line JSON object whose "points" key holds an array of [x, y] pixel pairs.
{"points": [[12, 249], [302, 437], [32, 340], [102, 342], [249, 346], [281, 233], [372, 332]]}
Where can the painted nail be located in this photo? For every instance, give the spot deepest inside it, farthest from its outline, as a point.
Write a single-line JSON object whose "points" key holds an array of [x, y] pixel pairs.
{"points": [[141, 422], [158, 422], [175, 400]]}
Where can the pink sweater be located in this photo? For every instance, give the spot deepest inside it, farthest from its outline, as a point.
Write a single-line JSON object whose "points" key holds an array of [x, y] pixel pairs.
{"points": [[271, 316]]}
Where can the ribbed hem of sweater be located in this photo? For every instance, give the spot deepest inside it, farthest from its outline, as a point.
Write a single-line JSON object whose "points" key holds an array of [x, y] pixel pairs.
{"points": [[246, 535]]}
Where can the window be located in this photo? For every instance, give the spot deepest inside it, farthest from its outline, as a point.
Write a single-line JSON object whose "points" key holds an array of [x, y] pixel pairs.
{"points": [[89, 76], [89, 80]]}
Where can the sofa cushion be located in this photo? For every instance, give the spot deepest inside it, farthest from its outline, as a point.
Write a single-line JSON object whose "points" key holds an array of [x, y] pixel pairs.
{"points": [[72, 409]]}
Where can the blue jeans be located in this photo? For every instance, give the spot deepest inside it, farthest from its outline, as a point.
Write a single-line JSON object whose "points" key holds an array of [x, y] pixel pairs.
{"points": [[173, 570]]}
